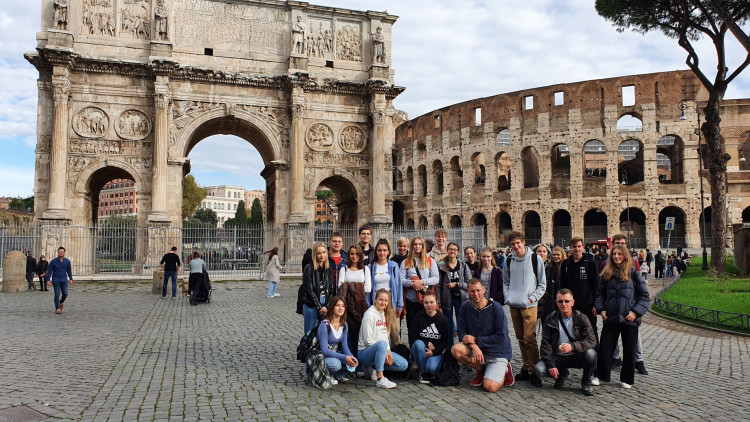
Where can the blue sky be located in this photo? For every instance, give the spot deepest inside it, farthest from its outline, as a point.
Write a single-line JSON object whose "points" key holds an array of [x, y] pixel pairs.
{"points": [[444, 52]]}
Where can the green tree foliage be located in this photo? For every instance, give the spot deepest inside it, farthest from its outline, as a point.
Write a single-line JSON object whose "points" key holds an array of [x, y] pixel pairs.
{"points": [[24, 204], [240, 216], [688, 21], [256, 213], [205, 216], [324, 194], [192, 196]]}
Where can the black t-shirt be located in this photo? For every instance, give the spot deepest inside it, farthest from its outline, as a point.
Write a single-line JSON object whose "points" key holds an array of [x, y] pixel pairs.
{"points": [[454, 277], [474, 267], [171, 261]]}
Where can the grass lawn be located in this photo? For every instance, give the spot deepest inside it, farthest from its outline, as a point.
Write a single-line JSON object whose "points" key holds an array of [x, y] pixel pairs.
{"points": [[696, 289]]}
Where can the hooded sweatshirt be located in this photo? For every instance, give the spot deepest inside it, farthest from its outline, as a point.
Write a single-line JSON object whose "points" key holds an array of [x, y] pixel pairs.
{"points": [[519, 282]]}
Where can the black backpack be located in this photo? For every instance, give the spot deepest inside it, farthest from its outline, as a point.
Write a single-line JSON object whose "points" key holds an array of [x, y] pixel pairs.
{"points": [[534, 260], [448, 372], [307, 344], [404, 352]]}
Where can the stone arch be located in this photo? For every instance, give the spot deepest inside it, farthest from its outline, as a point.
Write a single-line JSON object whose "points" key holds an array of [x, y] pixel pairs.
{"points": [[421, 150], [480, 173], [457, 172], [423, 224], [594, 159], [437, 171], [706, 237], [409, 187], [532, 227], [437, 220], [746, 215], [629, 122], [503, 165], [480, 219], [630, 162], [422, 177], [346, 188], [503, 138], [670, 156], [410, 223], [398, 213], [455, 221], [595, 225], [530, 160], [562, 227], [504, 225], [679, 233], [743, 151], [559, 171], [93, 178], [634, 225]]}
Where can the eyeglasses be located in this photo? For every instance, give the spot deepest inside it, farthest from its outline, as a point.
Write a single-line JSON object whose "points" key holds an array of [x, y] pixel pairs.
{"points": [[564, 301]]}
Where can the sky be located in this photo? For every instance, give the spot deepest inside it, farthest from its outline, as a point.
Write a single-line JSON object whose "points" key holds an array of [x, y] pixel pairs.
{"points": [[444, 52]]}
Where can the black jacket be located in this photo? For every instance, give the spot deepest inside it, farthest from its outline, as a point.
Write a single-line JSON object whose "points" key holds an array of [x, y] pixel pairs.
{"points": [[584, 289], [547, 302], [619, 297], [584, 334], [311, 282], [30, 264], [41, 267]]}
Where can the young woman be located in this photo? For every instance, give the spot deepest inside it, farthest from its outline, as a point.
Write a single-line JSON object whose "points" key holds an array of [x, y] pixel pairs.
{"points": [[491, 276], [356, 291], [41, 271], [374, 346], [402, 250], [418, 272], [317, 286], [273, 269], [355, 271], [471, 259], [332, 335], [429, 336], [621, 300], [454, 278], [386, 275], [547, 302], [197, 265]]}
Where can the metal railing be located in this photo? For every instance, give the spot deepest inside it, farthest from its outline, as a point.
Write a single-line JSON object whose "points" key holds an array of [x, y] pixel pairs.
{"points": [[463, 236]]}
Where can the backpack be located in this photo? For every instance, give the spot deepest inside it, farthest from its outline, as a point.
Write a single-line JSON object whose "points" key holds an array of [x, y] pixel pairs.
{"points": [[534, 263], [308, 344], [448, 372], [403, 351]]}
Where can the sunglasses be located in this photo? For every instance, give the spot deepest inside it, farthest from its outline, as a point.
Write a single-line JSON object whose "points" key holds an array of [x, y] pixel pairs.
{"points": [[564, 301]]}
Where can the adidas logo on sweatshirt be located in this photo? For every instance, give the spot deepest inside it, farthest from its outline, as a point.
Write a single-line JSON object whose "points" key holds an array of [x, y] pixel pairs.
{"points": [[430, 331]]}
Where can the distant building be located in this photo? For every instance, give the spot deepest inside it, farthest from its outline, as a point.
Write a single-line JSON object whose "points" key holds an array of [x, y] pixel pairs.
{"points": [[5, 203], [250, 196], [224, 200], [323, 208], [118, 197]]}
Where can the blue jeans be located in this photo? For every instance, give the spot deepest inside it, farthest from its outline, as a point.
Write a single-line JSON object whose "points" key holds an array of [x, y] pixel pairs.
{"points": [[167, 276], [374, 355], [60, 286], [336, 368], [425, 364], [311, 317], [273, 287], [454, 305]]}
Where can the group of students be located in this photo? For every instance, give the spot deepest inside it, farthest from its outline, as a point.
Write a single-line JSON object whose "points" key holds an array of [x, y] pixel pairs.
{"points": [[356, 300]]}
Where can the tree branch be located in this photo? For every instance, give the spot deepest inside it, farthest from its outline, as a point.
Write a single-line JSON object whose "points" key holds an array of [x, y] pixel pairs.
{"points": [[738, 33], [693, 62]]}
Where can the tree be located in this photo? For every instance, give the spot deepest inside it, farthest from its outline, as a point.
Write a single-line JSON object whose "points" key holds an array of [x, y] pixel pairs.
{"points": [[256, 213], [240, 216], [25, 204], [206, 216], [687, 21], [192, 196]]}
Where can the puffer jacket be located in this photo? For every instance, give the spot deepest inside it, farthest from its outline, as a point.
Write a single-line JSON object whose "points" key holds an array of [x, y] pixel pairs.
{"points": [[311, 282], [618, 298]]}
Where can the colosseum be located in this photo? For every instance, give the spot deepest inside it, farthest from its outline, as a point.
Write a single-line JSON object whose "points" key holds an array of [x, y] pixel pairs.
{"points": [[587, 159]]}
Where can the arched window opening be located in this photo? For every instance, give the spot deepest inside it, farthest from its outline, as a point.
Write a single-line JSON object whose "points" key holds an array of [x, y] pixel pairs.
{"points": [[562, 231], [530, 168], [594, 225], [503, 138], [532, 225], [629, 123], [633, 225], [477, 162], [437, 171], [676, 236], [630, 162], [669, 159], [743, 152], [594, 160], [706, 236], [409, 188], [502, 161], [455, 221], [504, 227], [457, 172], [422, 170], [437, 220]]}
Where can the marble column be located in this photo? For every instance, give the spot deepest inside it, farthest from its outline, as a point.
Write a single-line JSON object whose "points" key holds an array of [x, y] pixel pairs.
{"points": [[297, 157], [58, 171], [377, 154], [159, 169]]}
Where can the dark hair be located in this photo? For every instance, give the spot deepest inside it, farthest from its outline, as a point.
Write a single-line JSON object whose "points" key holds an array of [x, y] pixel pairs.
{"points": [[516, 236], [359, 253], [452, 244], [331, 305], [61, 248], [575, 240], [271, 253], [363, 228], [564, 292], [196, 254], [174, 248], [619, 236], [475, 281], [383, 242]]}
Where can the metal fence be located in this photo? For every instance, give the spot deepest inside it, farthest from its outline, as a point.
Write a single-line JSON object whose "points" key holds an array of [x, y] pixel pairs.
{"points": [[463, 236]]}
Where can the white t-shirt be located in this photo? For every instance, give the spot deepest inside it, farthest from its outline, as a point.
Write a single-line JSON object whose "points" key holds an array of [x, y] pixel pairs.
{"points": [[359, 276], [381, 277]]}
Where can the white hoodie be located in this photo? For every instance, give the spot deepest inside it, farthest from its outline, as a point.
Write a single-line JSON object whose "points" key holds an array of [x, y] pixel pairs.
{"points": [[373, 329]]}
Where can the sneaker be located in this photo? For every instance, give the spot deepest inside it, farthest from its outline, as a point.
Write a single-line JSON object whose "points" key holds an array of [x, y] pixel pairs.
{"points": [[347, 377], [509, 378], [174, 297], [641, 368], [276, 295], [587, 390], [385, 383], [524, 375], [164, 297], [424, 378], [626, 385], [535, 380], [270, 297], [478, 380], [560, 381], [616, 363], [334, 382], [373, 374], [595, 381], [57, 311], [61, 307]]}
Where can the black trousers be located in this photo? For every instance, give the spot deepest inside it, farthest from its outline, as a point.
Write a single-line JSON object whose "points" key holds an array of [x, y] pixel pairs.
{"points": [[585, 360], [42, 283], [411, 310], [659, 272], [586, 310], [610, 334]]}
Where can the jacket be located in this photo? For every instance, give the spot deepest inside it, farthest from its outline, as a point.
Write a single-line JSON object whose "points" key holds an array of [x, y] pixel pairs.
{"points": [[584, 334], [496, 284], [520, 284], [397, 290], [30, 264], [445, 294], [41, 267], [431, 277], [618, 298], [273, 269], [334, 269], [583, 288], [311, 281], [61, 270], [547, 302]]}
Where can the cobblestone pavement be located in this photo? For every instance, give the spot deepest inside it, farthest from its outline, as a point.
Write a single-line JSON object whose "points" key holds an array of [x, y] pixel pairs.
{"points": [[117, 352]]}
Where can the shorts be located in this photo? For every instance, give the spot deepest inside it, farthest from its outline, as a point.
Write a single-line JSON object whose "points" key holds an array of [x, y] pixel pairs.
{"points": [[495, 369]]}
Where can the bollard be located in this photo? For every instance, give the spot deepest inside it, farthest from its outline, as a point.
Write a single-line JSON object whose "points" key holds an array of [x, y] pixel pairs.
{"points": [[14, 272], [157, 282]]}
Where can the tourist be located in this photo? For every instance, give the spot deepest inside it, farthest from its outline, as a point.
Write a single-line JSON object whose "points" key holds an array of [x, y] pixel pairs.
{"points": [[332, 335], [568, 341], [273, 269], [659, 265], [170, 263], [649, 259], [418, 273], [374, 348], [61, 277], [644, 272], [439, 251], [470, 255], [483, 340], [354, 286], [547, 302], [355, 271], [491, 276], [336, 257], [307, 258], [30, 271], [524, 283], [41, 271], [318, 286], [386, 275], [454, 278], [197, 266], [402, 250], [622, 299], [581, 276], [429, 335], [365, 234]]}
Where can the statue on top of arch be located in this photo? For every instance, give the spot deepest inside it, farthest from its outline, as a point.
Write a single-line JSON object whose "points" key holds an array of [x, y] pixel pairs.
{"points": [[60, 14]]}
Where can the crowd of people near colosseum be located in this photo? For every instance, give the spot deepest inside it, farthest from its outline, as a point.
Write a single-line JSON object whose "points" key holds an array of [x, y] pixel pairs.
{"points": [[452, 303]]}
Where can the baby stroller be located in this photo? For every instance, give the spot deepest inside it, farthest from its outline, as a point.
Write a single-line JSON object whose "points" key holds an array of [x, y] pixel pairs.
{"points": [[200, 291]]}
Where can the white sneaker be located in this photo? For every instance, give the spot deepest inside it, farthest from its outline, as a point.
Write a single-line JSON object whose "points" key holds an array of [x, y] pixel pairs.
{"points": [[174, 297], [334, 382], [373, 374], [624, 385], [385, 383], [595, 381], [276, 295]]}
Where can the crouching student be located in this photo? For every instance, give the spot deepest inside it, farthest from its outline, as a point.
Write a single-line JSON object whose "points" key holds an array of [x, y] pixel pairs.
{"points": [[332, 336], [374, 343], [429, 335]]}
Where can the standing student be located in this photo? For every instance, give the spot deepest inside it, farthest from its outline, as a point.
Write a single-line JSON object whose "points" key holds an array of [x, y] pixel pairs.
{"points": [[170, 263], [386, 275], [454, 279], [470, 254], [429, 335], [273, 272], [580, 275], [365, 234], [547, 302], [336, 257], [317, 286], [374, 345], [30, 271], [440, 250], [491, 276], [418, 272], [402, 251], [61, 276]]}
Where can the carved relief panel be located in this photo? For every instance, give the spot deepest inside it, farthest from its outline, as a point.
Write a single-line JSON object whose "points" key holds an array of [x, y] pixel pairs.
{"points": [[319, 137], [133, 125], [91, 122], [135, 19], [319, 39], [352, 139], [98, 17], [348, 41]]}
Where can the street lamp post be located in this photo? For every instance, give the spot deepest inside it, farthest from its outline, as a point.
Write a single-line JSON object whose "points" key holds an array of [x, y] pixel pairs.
{"points": [[704, 265], [627, 200]]}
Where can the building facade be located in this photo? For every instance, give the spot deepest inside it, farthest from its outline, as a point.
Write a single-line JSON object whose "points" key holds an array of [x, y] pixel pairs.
{"points": [[224, 200], [118, 197]]}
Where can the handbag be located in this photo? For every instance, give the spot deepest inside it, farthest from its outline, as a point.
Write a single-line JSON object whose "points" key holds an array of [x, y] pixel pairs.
{"points": [[420, 294]]}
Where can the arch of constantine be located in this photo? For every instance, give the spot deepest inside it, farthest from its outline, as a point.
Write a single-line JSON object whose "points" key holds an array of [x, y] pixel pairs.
{"points": [[587, 159]]}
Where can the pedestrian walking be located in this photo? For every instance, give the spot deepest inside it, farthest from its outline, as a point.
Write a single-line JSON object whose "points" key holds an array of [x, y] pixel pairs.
{"points": [[61, 277], [273, 274]]}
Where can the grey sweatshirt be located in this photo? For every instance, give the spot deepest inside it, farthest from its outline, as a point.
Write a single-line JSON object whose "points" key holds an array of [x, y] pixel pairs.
{"points": [[519, 282]]}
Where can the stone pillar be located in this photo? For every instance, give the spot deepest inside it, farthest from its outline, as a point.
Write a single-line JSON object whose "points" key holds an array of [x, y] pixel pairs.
{"points": [[14, 272], [161, 133], [299, 238], [377, 154], [58, 172], [297, 157], [383, 231]]}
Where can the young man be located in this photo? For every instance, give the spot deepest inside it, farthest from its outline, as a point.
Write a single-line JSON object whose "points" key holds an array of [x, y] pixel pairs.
{"points": [[568, 341], [170, 263], [336, 257], [523, 286], [62, 277], [484, 343], [581, 277], [439, 251], [365, 234]]}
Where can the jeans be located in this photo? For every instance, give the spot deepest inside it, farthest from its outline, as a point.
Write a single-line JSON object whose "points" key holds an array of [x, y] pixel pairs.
{"points": [[454, 305], [585, 360], [425, 364], [311, 317], [60, 286], [374, 355], [273, 287], [638, 350], [336, 368], [412, 308], [610, 334], [30, 280], [167, 276]]}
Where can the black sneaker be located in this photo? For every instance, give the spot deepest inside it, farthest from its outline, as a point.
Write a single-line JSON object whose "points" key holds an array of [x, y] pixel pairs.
{"points": [[524, 375], [424, 378], [641, 368], [587, 390], [616, 363], [535, 380], [561, 377]]}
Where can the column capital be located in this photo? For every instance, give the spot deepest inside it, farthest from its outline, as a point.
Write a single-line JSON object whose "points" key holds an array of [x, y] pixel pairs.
{"points": [[60, 88]]}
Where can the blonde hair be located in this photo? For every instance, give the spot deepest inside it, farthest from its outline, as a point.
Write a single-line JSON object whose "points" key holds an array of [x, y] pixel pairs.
{"points": [[401, 240], [410, 261], [387, 310], [315, 264], [563, 257], [622, 270], [488, 250]]}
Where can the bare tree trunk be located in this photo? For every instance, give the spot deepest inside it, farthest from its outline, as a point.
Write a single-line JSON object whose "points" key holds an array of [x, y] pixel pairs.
{"points": [[716, 163]]}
